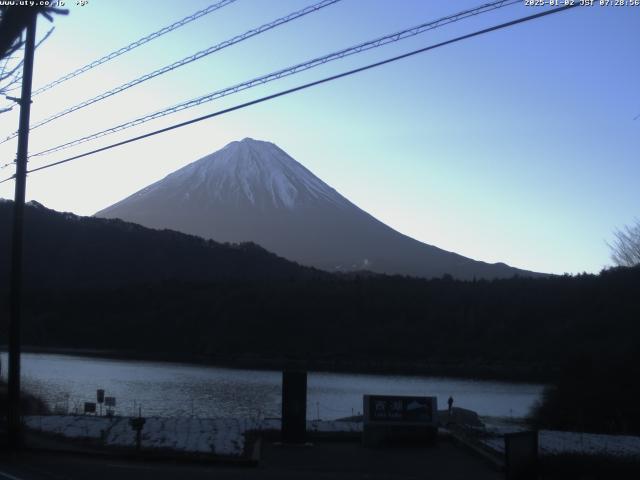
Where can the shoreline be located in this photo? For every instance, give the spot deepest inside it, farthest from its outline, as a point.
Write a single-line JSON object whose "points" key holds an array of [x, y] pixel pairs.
{"points": [[512, 374]]}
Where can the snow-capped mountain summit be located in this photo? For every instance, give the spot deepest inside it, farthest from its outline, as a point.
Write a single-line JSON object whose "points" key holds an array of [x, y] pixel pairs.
{"points": [[247, 172], [254, 191]]}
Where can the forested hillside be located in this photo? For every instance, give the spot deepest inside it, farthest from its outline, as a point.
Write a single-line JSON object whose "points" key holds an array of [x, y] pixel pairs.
{"points": [[104, 284]]}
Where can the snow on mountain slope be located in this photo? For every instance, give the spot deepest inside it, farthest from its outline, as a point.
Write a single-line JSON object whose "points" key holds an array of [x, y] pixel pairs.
{"points": [[253, 191], [247, 171]]}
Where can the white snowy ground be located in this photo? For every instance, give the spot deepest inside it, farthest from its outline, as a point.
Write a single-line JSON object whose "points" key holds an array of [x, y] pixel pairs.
{"points": [[552, 442], [226, 436], [198, 435]]}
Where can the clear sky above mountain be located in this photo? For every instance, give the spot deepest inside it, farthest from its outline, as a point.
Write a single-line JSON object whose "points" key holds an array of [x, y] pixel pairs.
{"points": [[518, 146]]}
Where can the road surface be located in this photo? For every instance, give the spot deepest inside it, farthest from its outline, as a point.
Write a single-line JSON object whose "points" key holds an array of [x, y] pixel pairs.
{"points": [[341, 460]]}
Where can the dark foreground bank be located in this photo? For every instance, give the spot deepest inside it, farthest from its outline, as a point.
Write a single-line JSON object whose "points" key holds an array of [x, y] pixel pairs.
{"points": [[322, 460]]}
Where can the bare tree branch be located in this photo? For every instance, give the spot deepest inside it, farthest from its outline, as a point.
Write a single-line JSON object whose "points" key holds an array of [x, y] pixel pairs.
{"points": [[625, 249], [46, 35], [15, 18], [11, 72]]}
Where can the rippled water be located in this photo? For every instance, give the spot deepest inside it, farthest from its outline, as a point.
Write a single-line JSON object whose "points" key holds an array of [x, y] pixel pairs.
{"points": [[170, 389]]}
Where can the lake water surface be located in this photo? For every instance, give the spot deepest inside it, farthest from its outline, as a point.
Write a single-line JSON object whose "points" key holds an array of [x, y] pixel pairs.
{"points": [[170, 389]]}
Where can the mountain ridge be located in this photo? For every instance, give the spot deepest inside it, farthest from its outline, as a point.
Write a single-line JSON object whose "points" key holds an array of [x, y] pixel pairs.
{"points": [[252, 190], [88, 252]]}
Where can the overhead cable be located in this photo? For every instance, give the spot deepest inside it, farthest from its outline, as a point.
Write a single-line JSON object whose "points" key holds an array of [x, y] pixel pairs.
{"points": [[180, 63], [305, 86], [378, 42], [136, 44]]}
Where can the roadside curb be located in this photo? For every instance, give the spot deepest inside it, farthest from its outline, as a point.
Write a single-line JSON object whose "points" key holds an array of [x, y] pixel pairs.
{"points": [[492, 458]]}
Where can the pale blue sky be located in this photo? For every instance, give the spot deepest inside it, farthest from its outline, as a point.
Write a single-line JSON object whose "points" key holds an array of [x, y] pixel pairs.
{"points": [[518, 146]]}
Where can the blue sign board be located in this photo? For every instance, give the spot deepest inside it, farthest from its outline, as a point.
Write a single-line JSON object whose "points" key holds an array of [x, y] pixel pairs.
{"points": [[400, 409]]}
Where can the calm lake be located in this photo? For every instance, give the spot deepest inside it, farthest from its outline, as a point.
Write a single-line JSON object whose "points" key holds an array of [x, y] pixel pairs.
{"points": [[170, 389]]}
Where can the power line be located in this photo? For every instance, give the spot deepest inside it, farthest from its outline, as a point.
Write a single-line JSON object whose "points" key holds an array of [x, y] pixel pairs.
{"points": [[305, 86], [180, 63], [136, 44], [368, 45]]}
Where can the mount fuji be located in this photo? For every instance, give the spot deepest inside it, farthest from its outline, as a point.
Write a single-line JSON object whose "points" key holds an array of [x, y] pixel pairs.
{"points": [[254, 191]]}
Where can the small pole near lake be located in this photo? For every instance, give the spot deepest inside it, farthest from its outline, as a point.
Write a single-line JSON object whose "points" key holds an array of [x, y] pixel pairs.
{"points": [[294, 406], [100, 398], [137, 424]]}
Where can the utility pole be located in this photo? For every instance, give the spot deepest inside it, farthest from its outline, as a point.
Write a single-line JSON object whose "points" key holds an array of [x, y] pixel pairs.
{"points": [[15, 293]]}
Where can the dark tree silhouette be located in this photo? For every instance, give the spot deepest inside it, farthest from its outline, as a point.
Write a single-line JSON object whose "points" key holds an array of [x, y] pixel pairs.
{"points": [[13, 21]]}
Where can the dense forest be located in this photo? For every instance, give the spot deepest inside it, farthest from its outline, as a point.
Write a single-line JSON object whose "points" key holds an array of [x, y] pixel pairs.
{"points": [[106, 284], [109, 285], [530, 326]]}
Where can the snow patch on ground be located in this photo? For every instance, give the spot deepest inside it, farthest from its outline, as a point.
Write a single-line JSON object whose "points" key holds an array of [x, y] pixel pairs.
{"points": [[553, 442], [220, 436], [226, 436]]}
